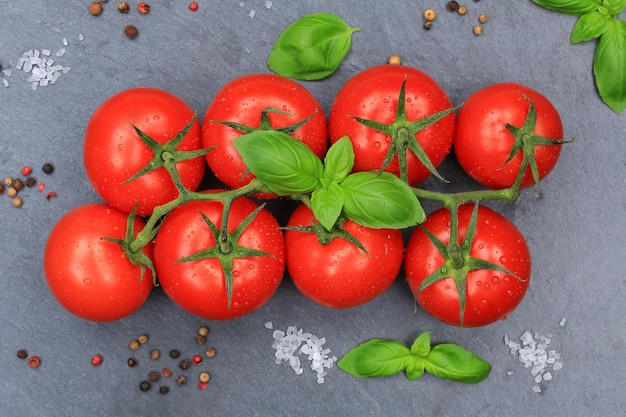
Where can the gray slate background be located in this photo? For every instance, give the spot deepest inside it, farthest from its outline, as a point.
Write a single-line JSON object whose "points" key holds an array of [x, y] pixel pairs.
{"points": [[575, 230]]}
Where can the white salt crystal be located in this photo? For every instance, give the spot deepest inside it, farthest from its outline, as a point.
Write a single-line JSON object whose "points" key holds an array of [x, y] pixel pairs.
{"points": [[268, 4], [268, 325], [537, 389], [5, 82], [557, 366], [252, 13], [562, 322], [81, 37], [65, 43], [45, 52], [60, 52], [547, 376]]}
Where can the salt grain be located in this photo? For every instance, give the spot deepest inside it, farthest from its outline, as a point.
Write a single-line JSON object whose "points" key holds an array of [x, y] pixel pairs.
{"points": [[268, 4], [252, 13]]}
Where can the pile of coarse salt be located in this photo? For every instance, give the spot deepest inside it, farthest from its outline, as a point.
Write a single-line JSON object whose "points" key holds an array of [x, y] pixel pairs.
{"points": [[41, 66], [294, 342], [533, 353]]}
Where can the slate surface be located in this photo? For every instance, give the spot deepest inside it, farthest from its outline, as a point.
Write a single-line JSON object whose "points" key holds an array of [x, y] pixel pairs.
{"points": [[575, 230]]}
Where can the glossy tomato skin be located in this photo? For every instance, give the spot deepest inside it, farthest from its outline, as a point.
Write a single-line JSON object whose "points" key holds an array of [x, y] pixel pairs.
{"points": [[90, 277], [113, 152], [491, 295], [242, 101], [482, 143], [373, 94], [340, 275], [199, 286]]}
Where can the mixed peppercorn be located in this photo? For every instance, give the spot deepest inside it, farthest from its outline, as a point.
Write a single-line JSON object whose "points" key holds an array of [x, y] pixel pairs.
{"points": [[430, 15], [14, 187]]}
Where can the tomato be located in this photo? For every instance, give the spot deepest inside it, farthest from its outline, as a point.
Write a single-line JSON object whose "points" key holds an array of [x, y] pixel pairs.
{"points": [[490, 294], [199, 286], [339, 274], [113, 151], [89, 276], [243, 101], [482, 142], [373, 95]]}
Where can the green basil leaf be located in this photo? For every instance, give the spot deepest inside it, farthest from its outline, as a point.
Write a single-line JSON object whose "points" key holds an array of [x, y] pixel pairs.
{"points": [[421, 345], [380, 200], [376, 357], [312, 47], [284, 164], [326, 204], [609, 65], [449, 361], [415, 368], [615, 7], [571, 7], [339, 160], [589, 26]]}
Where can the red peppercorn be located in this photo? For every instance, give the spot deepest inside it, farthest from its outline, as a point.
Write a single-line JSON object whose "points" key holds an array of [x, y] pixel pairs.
{"points": [[34, 362], [41, 186], [143, 7], [203, 385], [96, 360], [26, 171], [197, 359], [193, 6], [50, 195]]}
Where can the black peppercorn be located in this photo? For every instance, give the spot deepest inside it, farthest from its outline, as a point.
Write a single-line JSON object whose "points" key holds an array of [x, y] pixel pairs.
{"points": [[144, 386], [184, 364], [453, 6], [201, 340], [164, 390], [47, 168], [132, 362], [22, 354], [30, 181], [181, 380], [174, 354], [154, 376]]}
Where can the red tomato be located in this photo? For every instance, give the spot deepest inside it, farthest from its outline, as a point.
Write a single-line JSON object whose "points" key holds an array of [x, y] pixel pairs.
{"points": [[490, 295], [199, 286], [482, 142], [91, 277], [373, 94], [338, 274], [113, 151], [242, 101]]}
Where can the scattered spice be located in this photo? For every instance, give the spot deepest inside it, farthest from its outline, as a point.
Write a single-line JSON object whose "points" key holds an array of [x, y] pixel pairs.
{"points": [[483, 18], [210, 352], [145, 386], [203, 331], [184, 364], [26, 171], [174, 353], [201, 340], [34, 362], [134, 344], [205, 377], [203, 385], [462, 10], [51, 195], [22, 354], [123, 7], [453, 6], [478, 30], [196, 360], [143, 338], [181, 380], [47, 168], [154, 376], [30, 182], [8, 181], [395, 60], [41, 186], [155, 354], [428, 24], [163, 390], [167, 372], [430, 14], [95, 8], [143, 7], [18, 184], [131, 31], [96, 360], [17, 202], [1, 188], [132, 362], [193, 6], [11, 192]]}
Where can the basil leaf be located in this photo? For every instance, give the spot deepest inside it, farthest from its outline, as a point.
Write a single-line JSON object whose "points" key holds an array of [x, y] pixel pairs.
{"points": [[614, 7], [571, 7], [421, 345], [376, 357], [415, 368], [326, 204], [339, 160], [609, 65], [312, 47], [589, 26], [449, 361], [380, 200], [284, 164]]}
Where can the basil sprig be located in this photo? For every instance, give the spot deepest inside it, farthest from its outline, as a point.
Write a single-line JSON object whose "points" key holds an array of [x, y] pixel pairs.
{"points": [[288, 167], [312, 47], [597, 20], [378, 357]]}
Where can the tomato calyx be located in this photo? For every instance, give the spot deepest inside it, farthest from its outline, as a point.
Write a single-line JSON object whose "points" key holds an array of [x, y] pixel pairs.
{"points": [[402, 133], [458, 262], [266, 124], [526, 141], [326, 236], [136, 256], [167, 154], [226, 249]]}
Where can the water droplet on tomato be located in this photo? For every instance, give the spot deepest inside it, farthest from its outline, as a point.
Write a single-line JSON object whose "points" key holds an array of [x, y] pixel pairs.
{"points": [[377, 145], [120, 147], [479, 283], [502, 260], [87, 281]]}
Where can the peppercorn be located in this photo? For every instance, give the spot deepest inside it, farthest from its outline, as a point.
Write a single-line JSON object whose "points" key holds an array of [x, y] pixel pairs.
{"points": [[22, 354], [154, 376], [17, 202], [11, 192], [132, 362], [193, 6], [203, 385], [163, 390], [167, 372], [453, 6], [462, 10], [134, 344], [26, 171], [196, 360], [8, 181], [184, 364], [34, 362], [155, 354], [50, 195], [430, 14], [145, 386], [395, 60], [30, 182], [181, 380], [123, 7], [95, 8], [203, 330], [131, 32], [478, 30], [18, 184], [428, 24], [205, 377], [143, 7], [1, 188], [201, 340], [47, 168], [174, 354], [483, 18], [96, 360], [210, 352], [143, 338], [41, 186]]}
